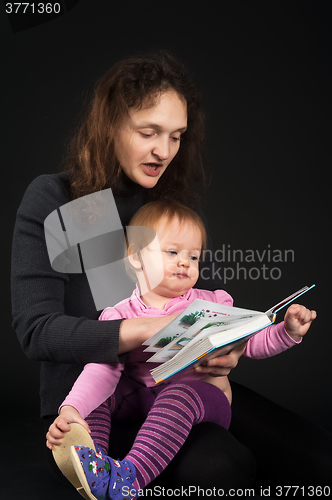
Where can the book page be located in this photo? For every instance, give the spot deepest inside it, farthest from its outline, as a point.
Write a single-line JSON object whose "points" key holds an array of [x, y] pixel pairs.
{"points": [[186, 319], [208, 337], [201, 329], [289, 299], [214, 345]]}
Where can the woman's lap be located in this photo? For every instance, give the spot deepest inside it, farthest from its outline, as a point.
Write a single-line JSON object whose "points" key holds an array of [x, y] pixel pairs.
{"points": [[210, 457], [289, 450], [285, 448]]}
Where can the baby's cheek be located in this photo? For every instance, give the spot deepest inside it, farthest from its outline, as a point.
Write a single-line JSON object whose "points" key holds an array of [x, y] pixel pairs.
{"points": [[193, 274]]}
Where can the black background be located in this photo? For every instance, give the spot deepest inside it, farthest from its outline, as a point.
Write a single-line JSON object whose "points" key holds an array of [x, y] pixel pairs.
{"points": [[264, 69]]}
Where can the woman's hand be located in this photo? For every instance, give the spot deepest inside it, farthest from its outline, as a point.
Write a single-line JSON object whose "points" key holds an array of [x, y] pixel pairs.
{"points": [[222, 365], [60, 426], [135, 331]]}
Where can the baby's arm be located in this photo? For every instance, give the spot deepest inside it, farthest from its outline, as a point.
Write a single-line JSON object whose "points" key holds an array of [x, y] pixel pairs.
{"points": [[95, 384], [279, 337]]}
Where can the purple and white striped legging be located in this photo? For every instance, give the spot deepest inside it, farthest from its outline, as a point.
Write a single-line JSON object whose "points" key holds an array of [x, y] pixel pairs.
{"points": [[170, 410]]}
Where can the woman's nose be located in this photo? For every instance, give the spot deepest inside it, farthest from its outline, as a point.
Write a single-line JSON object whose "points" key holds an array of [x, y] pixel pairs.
{"points": [[161, 149]]}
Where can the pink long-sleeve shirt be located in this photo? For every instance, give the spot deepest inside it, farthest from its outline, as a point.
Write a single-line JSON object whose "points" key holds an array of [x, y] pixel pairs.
{"points": [[97, 382]]}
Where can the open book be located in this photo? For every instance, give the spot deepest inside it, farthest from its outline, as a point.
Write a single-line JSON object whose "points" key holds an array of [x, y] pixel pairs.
{"points": [[205, 330]]}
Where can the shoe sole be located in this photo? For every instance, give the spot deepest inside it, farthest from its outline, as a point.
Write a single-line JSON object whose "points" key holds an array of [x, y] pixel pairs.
{"points": [[80, 474], [77, 436]]}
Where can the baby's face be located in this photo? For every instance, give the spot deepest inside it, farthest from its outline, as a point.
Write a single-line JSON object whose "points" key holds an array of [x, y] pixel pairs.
{"points": [[175, 256]]}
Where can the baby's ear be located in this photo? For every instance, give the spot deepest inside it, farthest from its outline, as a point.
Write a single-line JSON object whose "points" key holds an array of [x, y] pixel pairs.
{"points": [[135, 260]]}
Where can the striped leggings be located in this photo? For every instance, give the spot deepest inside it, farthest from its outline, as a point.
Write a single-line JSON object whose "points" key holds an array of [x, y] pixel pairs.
{"points": [[170, 411]]}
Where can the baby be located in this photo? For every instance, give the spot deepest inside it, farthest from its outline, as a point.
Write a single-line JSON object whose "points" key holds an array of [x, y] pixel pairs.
{"points": [[166, 268]]}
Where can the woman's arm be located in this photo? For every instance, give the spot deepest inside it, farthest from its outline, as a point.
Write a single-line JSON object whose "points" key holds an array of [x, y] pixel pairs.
{"points": [[133, 332], [53, 313]]}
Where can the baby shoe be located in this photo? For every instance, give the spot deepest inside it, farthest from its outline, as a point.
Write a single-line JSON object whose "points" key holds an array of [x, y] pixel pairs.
{"points": [[103, 477], [61, 454]]}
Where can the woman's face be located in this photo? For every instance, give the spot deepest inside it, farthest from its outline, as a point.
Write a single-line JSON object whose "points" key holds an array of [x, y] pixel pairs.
{"points": [[150, 139]]}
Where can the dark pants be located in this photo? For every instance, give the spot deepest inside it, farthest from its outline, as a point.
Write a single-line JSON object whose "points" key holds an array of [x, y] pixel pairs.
{"points": [[266, 446]]}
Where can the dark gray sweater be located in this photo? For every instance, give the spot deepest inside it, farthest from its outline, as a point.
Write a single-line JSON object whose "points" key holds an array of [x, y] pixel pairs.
{"points": [[54, 314]]}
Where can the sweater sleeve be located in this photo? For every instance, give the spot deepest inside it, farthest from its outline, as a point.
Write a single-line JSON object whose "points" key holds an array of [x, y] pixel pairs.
{"points": [[53, 313], [96, 383], [268, 342]]}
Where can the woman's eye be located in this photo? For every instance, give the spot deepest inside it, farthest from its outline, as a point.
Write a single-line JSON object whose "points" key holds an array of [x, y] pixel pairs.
{"points": [[175, 139], [145, 135]]}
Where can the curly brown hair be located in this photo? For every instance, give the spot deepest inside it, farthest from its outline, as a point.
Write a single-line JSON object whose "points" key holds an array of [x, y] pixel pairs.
{"points": [[137, 81]]}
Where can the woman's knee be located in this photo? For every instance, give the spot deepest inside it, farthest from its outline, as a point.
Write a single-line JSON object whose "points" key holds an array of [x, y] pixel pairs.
{"points": [[211, 458]]}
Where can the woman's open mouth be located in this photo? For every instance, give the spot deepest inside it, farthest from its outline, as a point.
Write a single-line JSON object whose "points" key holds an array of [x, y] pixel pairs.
{"points": [[152, 169]]}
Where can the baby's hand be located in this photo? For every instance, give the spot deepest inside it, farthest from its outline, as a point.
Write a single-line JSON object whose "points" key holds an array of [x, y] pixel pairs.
{"points": [[298, 320], [60, 426]]}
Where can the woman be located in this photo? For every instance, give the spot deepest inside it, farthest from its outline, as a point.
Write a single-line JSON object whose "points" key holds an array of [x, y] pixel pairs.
{"points": [[142, 137]]}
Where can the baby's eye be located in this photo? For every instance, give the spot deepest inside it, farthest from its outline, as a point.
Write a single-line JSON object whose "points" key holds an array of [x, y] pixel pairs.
{"points": [[193, 257], [171, 252]]}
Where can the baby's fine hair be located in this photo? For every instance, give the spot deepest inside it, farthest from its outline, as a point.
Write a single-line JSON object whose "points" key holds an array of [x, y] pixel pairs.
{"points": [[150, 215]]}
